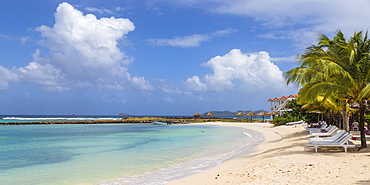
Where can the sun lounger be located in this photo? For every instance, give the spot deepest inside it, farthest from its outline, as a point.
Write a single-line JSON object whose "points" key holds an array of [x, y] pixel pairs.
{"points": [[330, 132], [345, 135], [324, 130], [332, 138], [295, 123], [323, 126], [341, 142]]}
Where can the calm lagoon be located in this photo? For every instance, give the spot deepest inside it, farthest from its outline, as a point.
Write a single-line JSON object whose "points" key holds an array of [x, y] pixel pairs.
{"points": [[116, 153]]}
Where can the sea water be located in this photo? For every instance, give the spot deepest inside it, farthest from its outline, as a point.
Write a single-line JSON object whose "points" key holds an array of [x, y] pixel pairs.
{"points": [[116, 153]]}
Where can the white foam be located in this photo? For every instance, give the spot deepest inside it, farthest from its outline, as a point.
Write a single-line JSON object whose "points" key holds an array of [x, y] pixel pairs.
{"points": [[247, 134]]}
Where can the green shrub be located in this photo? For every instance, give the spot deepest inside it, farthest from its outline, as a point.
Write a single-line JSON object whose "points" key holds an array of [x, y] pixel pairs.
{"points": [[367, 118], [296, 114], [280, 120]]}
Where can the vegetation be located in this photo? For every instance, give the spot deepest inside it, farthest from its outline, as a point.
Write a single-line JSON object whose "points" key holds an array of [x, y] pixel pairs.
{"points": [[298, 113], [367, 118], [334, 75]]}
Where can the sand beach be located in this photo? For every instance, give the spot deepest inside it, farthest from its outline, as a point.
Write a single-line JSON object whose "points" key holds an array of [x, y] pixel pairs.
{"points": [[284, 158]]}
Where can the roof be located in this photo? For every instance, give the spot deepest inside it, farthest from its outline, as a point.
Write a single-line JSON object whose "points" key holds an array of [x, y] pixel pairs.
{"points": [[283, 97]]}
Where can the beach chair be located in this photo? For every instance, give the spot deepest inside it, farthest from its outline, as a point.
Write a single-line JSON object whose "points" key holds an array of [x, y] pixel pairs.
{"points": [[330, 132], [340, 142], [323, 126], [323, 140], [295, 123], [323, 130], [338, 135], [355, 126]]}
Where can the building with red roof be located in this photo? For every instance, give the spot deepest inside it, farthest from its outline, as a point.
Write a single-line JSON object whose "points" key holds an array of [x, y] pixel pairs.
{"points": [[278, 104]]}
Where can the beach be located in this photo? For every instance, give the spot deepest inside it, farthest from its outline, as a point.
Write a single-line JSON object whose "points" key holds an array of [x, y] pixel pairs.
{"points": [[284, 158]]}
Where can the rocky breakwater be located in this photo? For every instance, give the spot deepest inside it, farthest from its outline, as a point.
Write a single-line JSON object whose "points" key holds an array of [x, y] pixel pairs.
{"points": [[129, 120]]}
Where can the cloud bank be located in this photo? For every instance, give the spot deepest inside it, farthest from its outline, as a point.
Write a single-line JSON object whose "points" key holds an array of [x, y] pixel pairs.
{"points": [[299, 21]]}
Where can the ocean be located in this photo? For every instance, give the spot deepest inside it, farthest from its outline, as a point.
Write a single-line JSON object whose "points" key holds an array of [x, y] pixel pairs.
{"points": [[116, 153]]}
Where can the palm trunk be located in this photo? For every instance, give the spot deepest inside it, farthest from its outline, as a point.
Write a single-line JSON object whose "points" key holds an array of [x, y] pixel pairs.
{"points": [[362, 121], [345, 116]]}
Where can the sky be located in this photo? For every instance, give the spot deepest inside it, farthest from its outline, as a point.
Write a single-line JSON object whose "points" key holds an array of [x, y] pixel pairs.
{"points": [[158, 57]]}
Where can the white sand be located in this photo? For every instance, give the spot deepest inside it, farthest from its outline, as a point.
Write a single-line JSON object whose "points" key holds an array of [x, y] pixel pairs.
{"points": [[284, 158]]}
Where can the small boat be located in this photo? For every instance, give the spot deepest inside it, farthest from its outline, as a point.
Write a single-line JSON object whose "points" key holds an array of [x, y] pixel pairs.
{"points": [[159, 123]]}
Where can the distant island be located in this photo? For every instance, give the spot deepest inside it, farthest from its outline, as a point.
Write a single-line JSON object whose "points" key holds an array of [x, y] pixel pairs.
{"points": [[123, 114], [229, 113], [215, 113]]}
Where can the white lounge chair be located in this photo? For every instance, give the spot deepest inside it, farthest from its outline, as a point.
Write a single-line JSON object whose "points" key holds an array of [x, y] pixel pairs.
{"points": [[295, 123], [328, 133], [342, 142], [332, 138], [355, 126], [339, 136], [323, 130], [323, 126]]}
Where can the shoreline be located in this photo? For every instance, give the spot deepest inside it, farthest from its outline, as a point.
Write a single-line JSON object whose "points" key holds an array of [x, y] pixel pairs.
{"points": [[193, 166], [213, 175], [284, 158]]}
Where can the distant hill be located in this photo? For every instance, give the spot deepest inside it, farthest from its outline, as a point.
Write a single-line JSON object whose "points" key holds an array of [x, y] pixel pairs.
{"points": [[123, 114], [228, 113]]}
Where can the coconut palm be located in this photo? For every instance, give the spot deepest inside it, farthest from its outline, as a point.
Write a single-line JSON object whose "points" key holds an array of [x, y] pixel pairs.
{"points": [[335, 69]]}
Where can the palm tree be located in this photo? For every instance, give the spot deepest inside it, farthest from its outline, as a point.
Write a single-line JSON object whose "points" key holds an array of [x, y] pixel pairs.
{"points": [[336, 69]]}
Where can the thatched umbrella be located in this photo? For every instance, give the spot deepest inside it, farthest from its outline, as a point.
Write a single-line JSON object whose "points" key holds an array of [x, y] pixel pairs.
{"points": [[251, 114], [197, 115], [209, 114], [272, 113], [240, 114], [263, 114]]}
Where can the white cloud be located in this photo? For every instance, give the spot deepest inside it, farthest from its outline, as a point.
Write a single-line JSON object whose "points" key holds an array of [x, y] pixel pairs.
{"points": [[99, 10], [190, 40], [168, 99], [284, 59], [194, 83], [304, 19], [237, 70], [300, 21], [185, 41], [44, 75], [6, 76], [25, 39], [81, 52]]}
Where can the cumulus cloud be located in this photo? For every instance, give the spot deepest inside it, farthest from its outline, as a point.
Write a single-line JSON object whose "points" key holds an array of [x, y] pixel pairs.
{"points": [[44, 75], [190, 40], [81, 52], [239, 70]]}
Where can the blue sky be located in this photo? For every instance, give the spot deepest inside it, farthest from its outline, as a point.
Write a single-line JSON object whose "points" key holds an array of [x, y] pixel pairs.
{"points": [[158, 57]]}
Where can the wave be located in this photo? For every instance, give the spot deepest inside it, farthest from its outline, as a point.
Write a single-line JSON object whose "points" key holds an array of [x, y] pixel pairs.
{"points": [[247, 134]]}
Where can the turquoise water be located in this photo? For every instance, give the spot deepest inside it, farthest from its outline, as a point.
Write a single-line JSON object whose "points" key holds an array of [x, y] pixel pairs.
{"points": [[115, 154]]}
